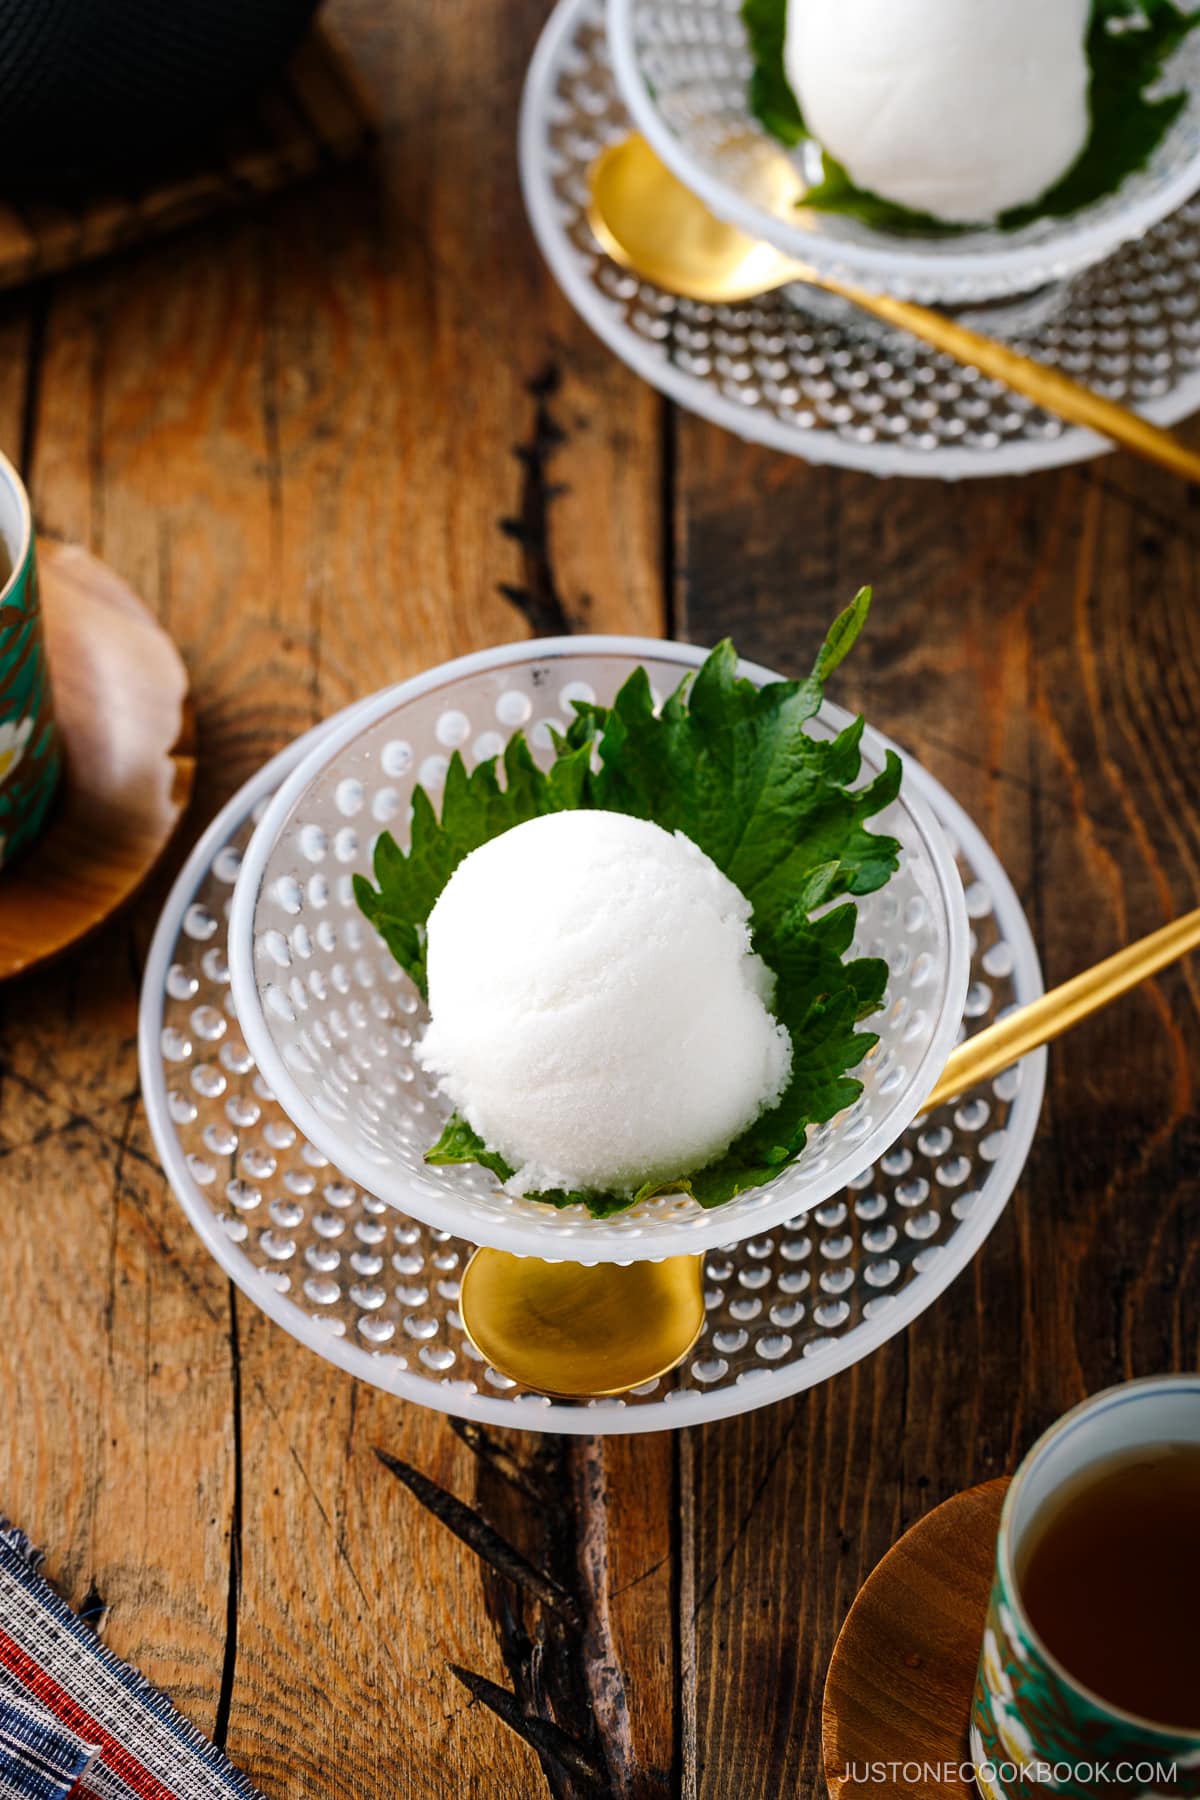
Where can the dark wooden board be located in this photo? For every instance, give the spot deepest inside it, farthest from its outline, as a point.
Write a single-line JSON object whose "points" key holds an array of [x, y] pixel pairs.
{"points": [[1037, 644], [310, 117]]}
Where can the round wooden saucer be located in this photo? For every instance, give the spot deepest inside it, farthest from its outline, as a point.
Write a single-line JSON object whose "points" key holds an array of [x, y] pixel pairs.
{"points": [[121, 696], [902, 1675]]}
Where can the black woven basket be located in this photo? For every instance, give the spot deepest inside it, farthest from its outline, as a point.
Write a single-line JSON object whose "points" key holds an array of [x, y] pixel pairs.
{"points": [[88, 85]]}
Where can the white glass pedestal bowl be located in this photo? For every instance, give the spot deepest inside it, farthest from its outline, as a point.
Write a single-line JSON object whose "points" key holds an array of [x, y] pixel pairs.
{"points": [[331, 1019], [683, 69]]}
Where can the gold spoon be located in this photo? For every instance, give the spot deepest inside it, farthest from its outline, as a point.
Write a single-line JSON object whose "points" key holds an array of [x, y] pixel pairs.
{"points": [[582, 1332], [999, 1045], [649, 222]]}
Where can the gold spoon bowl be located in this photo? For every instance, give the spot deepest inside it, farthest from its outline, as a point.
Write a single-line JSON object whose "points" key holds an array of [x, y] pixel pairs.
{"points": [[579, 1332]]}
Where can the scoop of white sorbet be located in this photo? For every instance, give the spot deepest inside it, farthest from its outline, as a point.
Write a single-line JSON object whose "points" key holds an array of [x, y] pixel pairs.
{"points": [[598, 1015], [959, 108]]}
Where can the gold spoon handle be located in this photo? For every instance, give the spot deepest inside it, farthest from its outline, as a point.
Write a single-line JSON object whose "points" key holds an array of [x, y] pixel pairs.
{"points": [[992, 1050], [1051, 389]]}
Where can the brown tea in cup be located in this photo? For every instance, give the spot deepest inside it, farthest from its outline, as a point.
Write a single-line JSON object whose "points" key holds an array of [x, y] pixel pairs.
{"points": [[1110, 1579]]}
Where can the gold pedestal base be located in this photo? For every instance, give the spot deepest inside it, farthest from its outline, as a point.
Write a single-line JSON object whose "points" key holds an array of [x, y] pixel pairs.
{"points": [[581, 1332]]}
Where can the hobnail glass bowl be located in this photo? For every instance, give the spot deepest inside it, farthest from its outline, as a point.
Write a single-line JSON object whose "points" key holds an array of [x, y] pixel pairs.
{"points": [[683, 68], [331, 1019]]}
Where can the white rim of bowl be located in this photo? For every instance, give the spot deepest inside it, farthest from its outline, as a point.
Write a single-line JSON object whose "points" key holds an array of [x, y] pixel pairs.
{"points": [[593, 1241], [753, 425], [11, 479], [674, 1409], [1070, 250]]}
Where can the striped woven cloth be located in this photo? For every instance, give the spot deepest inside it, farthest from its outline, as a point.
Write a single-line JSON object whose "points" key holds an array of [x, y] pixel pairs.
{"points": [[75, 1719]]}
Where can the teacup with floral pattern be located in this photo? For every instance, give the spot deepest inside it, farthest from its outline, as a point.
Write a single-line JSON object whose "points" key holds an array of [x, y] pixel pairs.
{"points": [[30, 745], [1036, 1731]]}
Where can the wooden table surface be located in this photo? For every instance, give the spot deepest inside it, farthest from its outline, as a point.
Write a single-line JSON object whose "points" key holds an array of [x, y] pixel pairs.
{"points": [[333, 443]]}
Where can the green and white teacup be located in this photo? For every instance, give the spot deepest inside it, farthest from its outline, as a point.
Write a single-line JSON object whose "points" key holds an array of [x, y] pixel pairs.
{"points": [[1036, 1730], [30, 744]]}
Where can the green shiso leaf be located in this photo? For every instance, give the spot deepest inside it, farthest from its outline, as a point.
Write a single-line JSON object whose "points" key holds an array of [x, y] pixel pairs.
{"points": [[771, 98], [837, 193], [733, 767], [1129, 45]]}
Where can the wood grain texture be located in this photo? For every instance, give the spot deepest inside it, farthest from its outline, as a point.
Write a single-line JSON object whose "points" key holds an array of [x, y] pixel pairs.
{"points": [[121, 702], [331, 443], [902, 1674], [319, 441], [1037, 645]]}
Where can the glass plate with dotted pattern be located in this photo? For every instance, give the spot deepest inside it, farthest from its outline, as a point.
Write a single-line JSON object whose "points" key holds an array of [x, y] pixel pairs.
{"points": [[375, 1292]]}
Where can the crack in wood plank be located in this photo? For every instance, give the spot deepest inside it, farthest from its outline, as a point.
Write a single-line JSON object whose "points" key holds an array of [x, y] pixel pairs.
{"points": [[644, 1575], [537, 596], [39, 312], [684, 1747], [474, 1530], [567, 1684], [483, 1444], [1096, 476], [234, 1590], [94, 1608], [542, 1735], [760, 1488]]}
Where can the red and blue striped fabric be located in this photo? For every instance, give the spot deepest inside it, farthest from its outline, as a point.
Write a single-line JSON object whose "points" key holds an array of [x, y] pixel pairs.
{"points": [[39, 1759], [105, 1733]]}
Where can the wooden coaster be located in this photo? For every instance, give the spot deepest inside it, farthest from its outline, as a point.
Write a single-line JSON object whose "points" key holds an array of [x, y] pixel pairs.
{"points": [[121, 696], [902, 1674]]}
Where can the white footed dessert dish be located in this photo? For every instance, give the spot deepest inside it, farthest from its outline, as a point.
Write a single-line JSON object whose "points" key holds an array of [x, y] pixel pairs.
{"points": [[375, 1291]]}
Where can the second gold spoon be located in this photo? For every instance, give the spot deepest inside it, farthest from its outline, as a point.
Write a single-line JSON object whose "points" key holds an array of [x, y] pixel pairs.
{"points": [[582, 1332], [649, 222]]}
